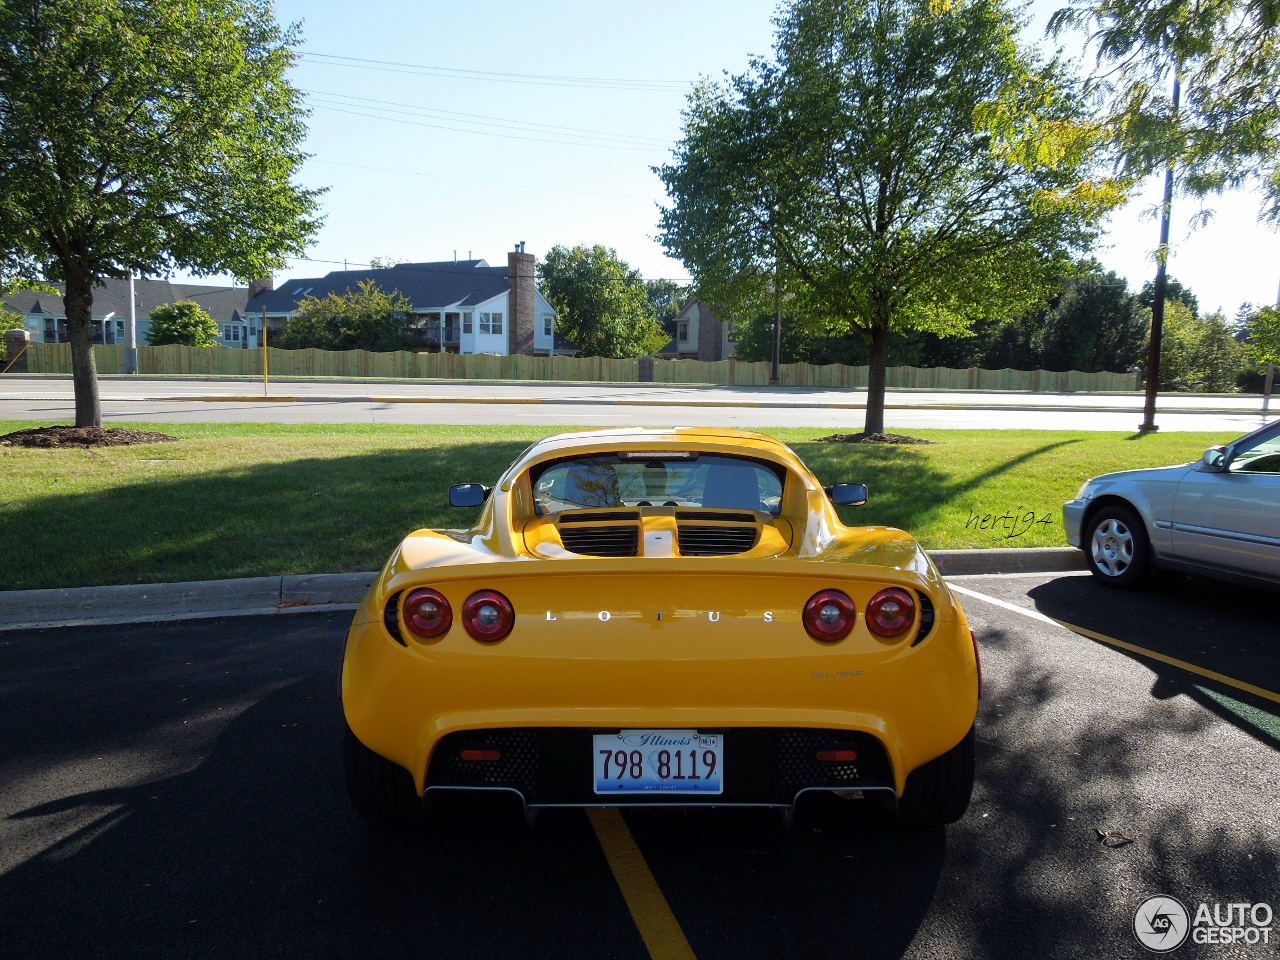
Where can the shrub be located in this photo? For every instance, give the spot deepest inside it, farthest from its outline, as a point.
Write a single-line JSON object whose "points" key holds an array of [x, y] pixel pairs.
{"points": [[185, 323]]}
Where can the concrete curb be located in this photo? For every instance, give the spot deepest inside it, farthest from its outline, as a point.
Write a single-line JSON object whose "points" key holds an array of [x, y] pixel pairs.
{"points": [[325, 592], [155, 602]]}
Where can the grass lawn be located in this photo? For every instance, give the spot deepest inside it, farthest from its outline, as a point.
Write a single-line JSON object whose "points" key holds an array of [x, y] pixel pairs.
{"points": [[246, 500]]}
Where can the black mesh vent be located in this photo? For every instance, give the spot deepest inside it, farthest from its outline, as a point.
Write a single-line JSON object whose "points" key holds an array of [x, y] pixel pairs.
{"points": [[798, 764], [620, 541], [727, 516], [517, 766], [599, 517], [391, 620], [697, 540], [926, 618]]}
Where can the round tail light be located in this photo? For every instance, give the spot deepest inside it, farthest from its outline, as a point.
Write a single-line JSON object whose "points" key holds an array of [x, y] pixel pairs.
{"points": [[488, 616], [829, 616], [427, 613], [891, 612]]}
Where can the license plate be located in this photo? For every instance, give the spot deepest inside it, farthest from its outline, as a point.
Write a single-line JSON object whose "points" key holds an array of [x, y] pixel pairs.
{"points": [[659, 761]]}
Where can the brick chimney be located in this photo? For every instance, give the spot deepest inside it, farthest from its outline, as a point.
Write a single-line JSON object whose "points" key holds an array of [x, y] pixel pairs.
{"points": [[709, 337], [521, 301], [257, 286]]}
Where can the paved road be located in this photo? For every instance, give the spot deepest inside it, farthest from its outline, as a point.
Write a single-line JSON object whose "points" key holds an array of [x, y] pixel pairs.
{"points": [[174, 791], [419, 402]]}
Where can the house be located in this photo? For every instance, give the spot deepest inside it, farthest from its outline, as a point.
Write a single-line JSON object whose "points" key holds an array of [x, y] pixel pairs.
{"points": [[46, 317], [700, 336], [463, 306]]}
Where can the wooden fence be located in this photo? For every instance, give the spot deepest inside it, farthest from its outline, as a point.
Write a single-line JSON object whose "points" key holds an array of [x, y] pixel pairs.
{"points": [[227, 361]]}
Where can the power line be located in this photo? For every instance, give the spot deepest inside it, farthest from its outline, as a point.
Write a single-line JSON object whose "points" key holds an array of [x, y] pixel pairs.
{"points": [[418, 268], [608, 83], [491, 183], [483, 120], [483, 133]]}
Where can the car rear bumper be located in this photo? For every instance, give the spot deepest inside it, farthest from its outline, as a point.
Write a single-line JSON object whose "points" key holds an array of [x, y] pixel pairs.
{"points": [[552, 766], [1072, 517]]}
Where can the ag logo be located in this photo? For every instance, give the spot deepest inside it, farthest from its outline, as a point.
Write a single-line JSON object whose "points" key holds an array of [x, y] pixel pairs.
{"points": [[1161, 924]]}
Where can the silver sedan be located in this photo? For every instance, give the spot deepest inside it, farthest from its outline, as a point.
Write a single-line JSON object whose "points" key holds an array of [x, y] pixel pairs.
{"points": [[1219, 517]]}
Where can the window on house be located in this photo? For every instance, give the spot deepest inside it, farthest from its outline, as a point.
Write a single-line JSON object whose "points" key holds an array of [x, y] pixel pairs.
{"points": [[235, 334], [50, 331], [485, 322], [548, 326], [684, 332], [466, 323], [120, 328], [253, 331], [226, 333], [497, 323]]}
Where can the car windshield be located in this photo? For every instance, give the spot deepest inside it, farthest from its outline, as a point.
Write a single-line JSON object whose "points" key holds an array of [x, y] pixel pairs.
{"points": [[660, 478]]}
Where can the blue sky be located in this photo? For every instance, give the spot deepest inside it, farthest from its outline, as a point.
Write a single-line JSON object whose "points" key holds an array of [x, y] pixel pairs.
{"points": [[475, 162]]}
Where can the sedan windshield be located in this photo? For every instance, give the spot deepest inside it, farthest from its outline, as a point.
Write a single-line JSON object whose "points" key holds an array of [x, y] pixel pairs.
{"points": [[652, 479]]}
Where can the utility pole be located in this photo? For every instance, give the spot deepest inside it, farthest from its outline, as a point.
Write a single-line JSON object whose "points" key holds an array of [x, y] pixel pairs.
{"points": [[131, 333], [1271, 376], [1157, 306], [777, 326], [264, 349]]}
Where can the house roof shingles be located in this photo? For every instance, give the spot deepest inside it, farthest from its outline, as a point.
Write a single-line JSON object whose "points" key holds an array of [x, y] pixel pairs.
{"points": [[221, 303], [427, 286]]}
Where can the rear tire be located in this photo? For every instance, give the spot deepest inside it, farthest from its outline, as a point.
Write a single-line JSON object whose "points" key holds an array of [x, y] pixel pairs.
{"points": [[1117, 548], [939, 791], [380, 790]]}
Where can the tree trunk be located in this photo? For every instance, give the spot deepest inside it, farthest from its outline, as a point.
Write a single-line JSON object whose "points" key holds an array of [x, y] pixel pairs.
{"points": [[78, 301], [879, 363]]}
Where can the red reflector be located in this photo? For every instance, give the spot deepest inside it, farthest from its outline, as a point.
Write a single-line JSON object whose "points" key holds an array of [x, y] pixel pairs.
{"points": [[481, 755], [837, 756]]}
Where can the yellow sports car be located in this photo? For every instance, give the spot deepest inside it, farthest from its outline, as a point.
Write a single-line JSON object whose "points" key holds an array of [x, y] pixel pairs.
{"points": [[660, 617]]}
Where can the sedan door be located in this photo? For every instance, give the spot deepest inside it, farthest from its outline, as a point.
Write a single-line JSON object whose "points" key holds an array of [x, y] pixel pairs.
{"points": [[1230, 519]]}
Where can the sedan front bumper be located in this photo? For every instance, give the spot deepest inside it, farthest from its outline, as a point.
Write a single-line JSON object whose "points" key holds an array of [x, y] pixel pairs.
{"points": [[1072, 516]]}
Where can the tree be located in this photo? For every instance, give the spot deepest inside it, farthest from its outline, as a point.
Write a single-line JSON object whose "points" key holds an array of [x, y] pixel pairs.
{"points": [[145, 137], [1173, 290], [667, 298], [904, 164], [1094, 324], [365, 319], [183, 322], [1198, 353], [602, 305], [1190, 90]]}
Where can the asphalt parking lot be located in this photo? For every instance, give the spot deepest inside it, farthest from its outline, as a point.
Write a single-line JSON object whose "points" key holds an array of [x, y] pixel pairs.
{"points": [[175, 790]]}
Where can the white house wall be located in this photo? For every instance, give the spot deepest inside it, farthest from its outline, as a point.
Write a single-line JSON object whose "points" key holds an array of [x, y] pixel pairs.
{"points": [[477, 342]]}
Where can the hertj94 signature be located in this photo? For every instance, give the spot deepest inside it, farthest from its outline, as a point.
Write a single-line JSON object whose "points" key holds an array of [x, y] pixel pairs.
{"points": [[1012, 523]]}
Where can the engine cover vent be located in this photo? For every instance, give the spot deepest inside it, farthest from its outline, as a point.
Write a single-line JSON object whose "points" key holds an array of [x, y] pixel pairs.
{"points": [[725, 515], [704, 540], [622, 540], [600, 517]]}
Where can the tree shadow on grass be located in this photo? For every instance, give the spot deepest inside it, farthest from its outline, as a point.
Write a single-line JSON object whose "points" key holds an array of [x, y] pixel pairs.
{"points": [[314, 515], [905, 485]]}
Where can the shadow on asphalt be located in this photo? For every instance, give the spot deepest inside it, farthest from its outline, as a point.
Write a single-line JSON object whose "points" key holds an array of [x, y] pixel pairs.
{"points": [[1226, 628]]}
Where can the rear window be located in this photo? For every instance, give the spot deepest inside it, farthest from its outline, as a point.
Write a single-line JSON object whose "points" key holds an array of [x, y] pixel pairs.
{"points": [[659, 479]]}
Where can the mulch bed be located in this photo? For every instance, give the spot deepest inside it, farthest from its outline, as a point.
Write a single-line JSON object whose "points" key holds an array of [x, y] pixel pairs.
{"points": [[871, 438], [54, 437]]}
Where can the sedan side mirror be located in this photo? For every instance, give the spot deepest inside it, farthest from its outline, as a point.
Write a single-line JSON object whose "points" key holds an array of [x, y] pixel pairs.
{"points": [[468, 494], [1215, 458], [848, 494]]}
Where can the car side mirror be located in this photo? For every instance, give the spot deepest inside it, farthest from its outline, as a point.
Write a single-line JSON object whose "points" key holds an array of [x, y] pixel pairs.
{"points": [[1215, 458], [468, 494], [848, 494]]}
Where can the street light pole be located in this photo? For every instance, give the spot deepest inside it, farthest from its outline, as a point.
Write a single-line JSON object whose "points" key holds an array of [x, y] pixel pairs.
{"points": [[131, 333]]}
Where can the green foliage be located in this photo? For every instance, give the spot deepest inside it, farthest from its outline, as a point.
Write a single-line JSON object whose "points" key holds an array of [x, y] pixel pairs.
{"points": [[146, 137], [1174, 290], [9, 320], [183, 322], [1094, 324], [1262, 337], [1198, 353], [667, 298], [885, 198], [602, 305], [366, 319]]}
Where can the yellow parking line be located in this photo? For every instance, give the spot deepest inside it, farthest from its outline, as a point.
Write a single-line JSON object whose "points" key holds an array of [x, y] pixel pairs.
{"points": [[662, 934], [1123, 645], [1173, 661]]}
